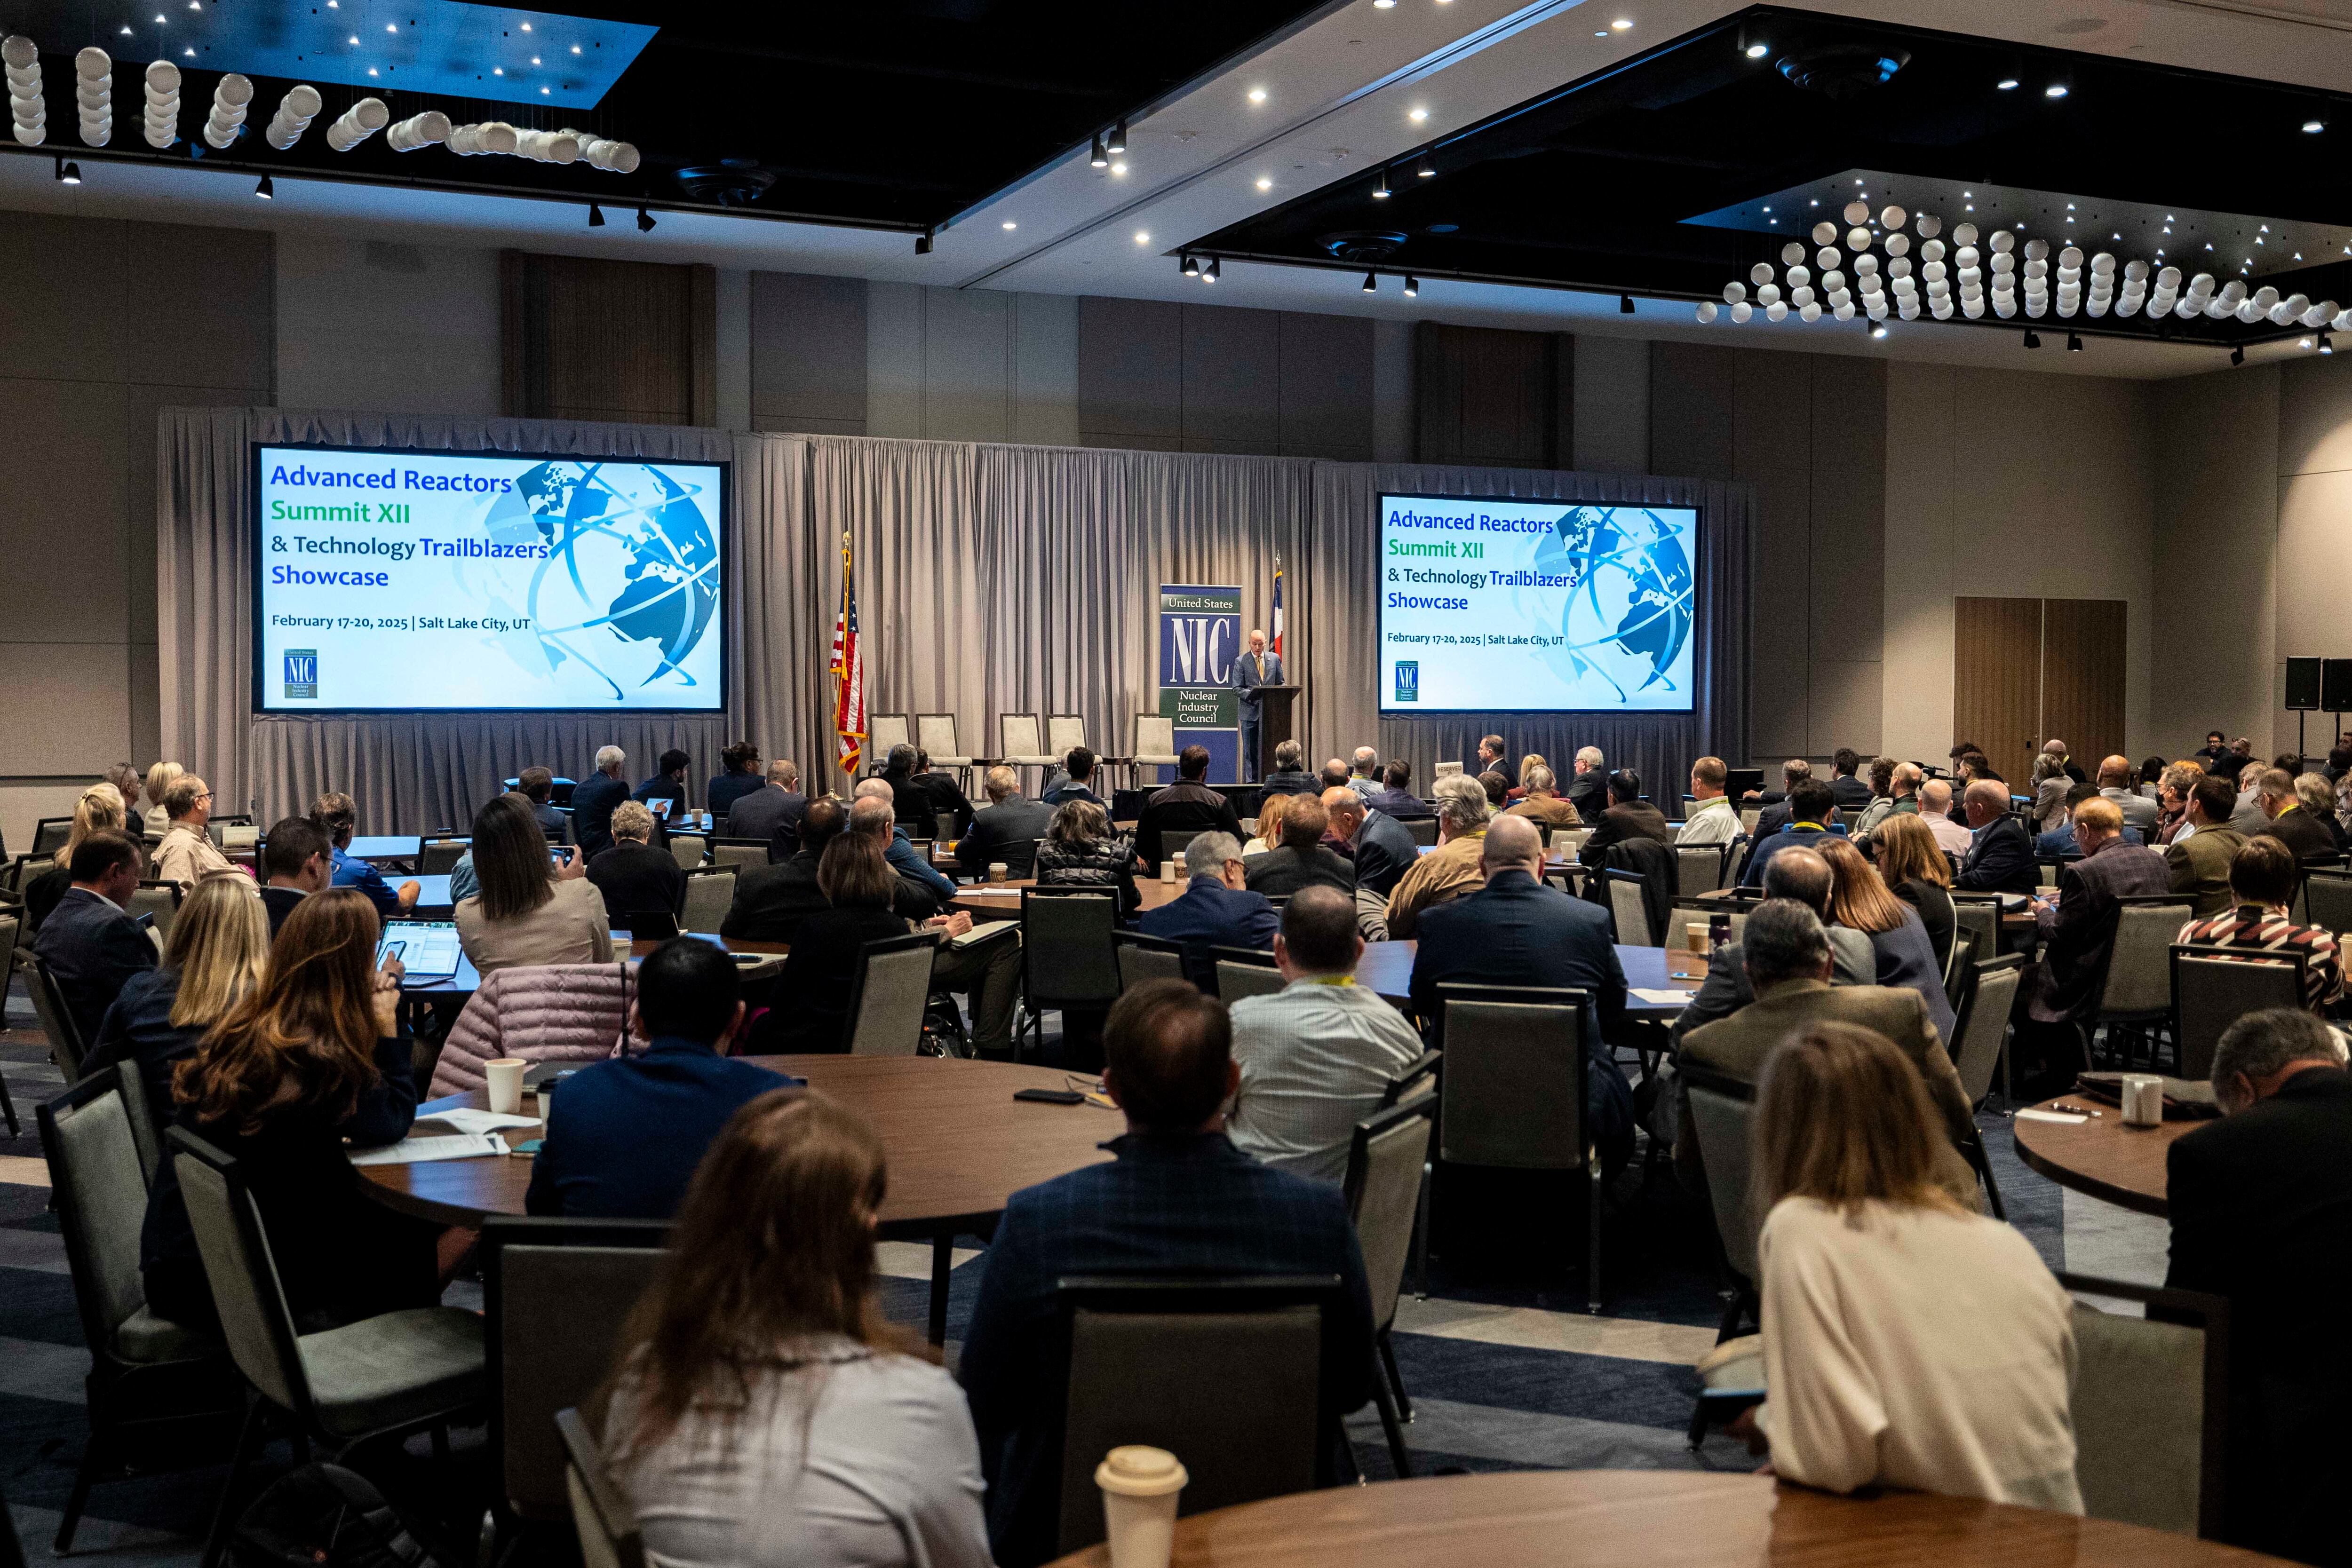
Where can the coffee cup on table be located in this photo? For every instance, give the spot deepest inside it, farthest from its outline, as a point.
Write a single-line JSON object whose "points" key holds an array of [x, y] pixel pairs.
{"points": [[998, 870], [505, 1076], [1695, 935], [1167, 871], [2143, 1097], [1141, 1488]]}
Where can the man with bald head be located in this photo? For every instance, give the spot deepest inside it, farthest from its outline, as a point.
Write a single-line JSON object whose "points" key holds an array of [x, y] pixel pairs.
{"points": [[1516, 931], [873, 805], [2056, 750], [2116, 775], [1935, 810], [1999, 857], [1803, 876], [1364, 778]]}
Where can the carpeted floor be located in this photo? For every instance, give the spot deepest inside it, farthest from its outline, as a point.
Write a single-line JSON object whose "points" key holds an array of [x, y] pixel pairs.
{"points": [[1504, 1368]]}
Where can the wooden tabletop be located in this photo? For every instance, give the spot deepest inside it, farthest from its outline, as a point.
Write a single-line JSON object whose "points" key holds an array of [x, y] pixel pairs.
{"points": [[1659, 1519], [2101, 1157], [958, 1144]]}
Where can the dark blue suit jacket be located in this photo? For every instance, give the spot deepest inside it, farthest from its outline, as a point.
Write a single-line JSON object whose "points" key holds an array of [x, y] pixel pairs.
{"points": [[591, 811], [623, 1136], [1171, 1204], [1516, 932], [92, 949], [1211, 914], [2002, 860], [2059, 842], [1384, 851], [1767, 848]]}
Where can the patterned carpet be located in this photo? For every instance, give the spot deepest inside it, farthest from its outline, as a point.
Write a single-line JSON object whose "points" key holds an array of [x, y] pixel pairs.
{"points": [[1505, 1369]]}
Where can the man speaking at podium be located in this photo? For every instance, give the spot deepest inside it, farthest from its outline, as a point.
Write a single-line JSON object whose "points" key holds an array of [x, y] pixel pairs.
{"points": [[1254, 669]]}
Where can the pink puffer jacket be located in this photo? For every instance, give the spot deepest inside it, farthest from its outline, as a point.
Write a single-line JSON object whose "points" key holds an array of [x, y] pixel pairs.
{"points": [[552, 1012]]}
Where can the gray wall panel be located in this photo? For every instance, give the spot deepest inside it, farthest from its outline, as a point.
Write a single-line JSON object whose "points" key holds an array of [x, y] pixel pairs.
{"points": [[62, 287], [1327, 380], [1232, 379], [200, 307], [63, 515], [809, 339], [1130, 374], [1690, 409]]}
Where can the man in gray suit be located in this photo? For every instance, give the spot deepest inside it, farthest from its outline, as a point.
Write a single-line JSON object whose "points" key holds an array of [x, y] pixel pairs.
{"points": [[2115, 784], [1254, 669]]}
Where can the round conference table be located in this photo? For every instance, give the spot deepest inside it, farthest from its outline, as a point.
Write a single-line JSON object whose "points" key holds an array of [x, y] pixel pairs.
{"points": [[1659, 1519], [2101, 1157]]}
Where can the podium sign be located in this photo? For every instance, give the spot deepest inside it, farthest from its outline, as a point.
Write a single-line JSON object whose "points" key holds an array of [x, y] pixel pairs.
{"points": [[1200, 637]]}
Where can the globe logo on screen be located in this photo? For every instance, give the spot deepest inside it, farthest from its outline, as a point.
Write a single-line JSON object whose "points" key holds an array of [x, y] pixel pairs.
{"points": [[1629, 613], [631, 561]]}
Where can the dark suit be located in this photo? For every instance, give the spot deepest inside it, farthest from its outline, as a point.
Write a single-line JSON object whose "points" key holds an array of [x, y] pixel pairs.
{"points": [[769, 813], [2303, 834], [2063, 985], [280, 902], [910, 804], [1252, 671], [1285, 870], [1402, 804], [1173, 816], [1761, 855], [138, 1028], [1517, 932], [819, 975], [1007, 831], [638, 879], [1904, 958], [771, 901], [947, 797], [1210, 915], [1776, 815], [729, 788], [1634, 820], [623, 1136], [1999, 861], [1061, 790], [1171, 1204], [2262, 1213], [1588, 793], [1384, 851], [92, 949], [1851, 792], [593, 801], [1291, 782]]}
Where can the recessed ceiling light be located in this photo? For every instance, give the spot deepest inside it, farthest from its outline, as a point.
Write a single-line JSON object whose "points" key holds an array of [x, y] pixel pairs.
{"points": [[126, 28], [1383, 4], [370, 69], [389, 27], [1767, 209], [2313, 127], [1257, 95], [534, 59], [498, 70], [1758, 51], [543, 92], [1010, 225], [1418, 115], [526, 26], [355, 37], [575, 49], [1967, 192], [1263, 184], [1119, 168], [2055, 89], [1143, 236], [1621, 24], [2006, 84]]}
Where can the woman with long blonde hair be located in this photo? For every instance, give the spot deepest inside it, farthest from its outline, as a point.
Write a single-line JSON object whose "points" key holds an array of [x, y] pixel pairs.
{"points": [[97, 808], [159, 779], [310, 1057], [763, 1413], [218, 946], [1859, 900], [1917, 870], [1907, 1342]]}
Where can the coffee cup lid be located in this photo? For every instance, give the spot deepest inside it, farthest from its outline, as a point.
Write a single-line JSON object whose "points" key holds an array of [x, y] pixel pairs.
{"points": [[1139, 1471]]}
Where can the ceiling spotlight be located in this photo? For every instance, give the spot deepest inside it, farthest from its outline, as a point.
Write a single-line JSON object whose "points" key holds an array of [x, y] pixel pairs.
{"points": [[2032, 338], [1143, 236], [1263, 184], [2006, 84], [2302, 342], [1621, 24], [575, 49], [68, 173], [1418, 115], [923, 242], [644, 222], [1118, 167], [2055, 89], [1426, 170], [1624, 305], [595, 216], [1216, 270], [1380, 190], [2073, 342], [2238, 355], [1009, 225], [2313, 127], [2326, 342], [389, 27], [1118, 142], [1383, 4], [1100, 156], [1372, 283], [1257, 95], [265, 191], [1413, 291], [1192, 266], [1878, 328], [526, 26], [1756, 51], [126, 29]]}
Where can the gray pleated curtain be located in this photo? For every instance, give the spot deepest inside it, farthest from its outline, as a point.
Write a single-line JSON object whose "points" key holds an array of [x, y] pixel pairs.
{"points": [[991, 580]]}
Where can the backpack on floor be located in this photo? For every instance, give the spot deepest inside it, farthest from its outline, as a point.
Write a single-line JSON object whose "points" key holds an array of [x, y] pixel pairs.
{"points": [[324, 1516]]}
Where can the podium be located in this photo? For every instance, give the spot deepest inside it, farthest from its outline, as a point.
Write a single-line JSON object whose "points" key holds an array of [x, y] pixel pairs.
{"points": [[1273, 722]]}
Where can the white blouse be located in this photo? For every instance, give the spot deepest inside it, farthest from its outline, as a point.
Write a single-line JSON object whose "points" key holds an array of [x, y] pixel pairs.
{"points": [[1915, 1347]]}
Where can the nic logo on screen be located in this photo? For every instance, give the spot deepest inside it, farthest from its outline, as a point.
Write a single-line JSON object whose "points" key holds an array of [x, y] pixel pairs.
{"points": [[302, 672], [1407, 680]]}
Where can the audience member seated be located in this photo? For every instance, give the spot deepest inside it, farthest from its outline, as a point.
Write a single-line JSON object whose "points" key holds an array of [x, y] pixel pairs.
{"points": [[297, 860], [1909, 1341], [1776, 813], [1874, 811], [1271, 811], [92, 948], [2065, 760], [1395, 796], [636, 878], [2174, 787], [2248, 816], [2284, 818], [765, 1414], [1489, 759], [1999, 857], [1846, 786], [529, 911], [2077, 929], [1917, 872], [338, 818], [1300, 860], [1005, 831], [2318, 797], [1497, 790], [464, 884], [2059, 842], [214, 957], [1787, 953], [1802, 875], [948, 798], [2051, 787], [773, 812], [536, 785], [987, 971], [1382, 850], [159, 779], [187, 853], [1180, 1199], [1185, 807], [2216, 748], [2115, 784], [1316, 1057], [1453, 868], [1589, 790], [1628, 817], [1334, 775], [2151, 771], [1540, 802], [740, 776], [2261, 1207], [1809, 805], [1081, 850], [309, 1060], [820, 974], [1712, 819], [1517, 931], [625, 1135], [771, 901], [2201, 851], [1902, 955], [593, 800], [2263, 877], [668, 783], [1289, 776], [1936, 810], [1216, 908], [100, 807], [913, 867], [910, 804]]}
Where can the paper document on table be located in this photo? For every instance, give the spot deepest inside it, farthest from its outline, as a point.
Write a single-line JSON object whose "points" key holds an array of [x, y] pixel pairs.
{"points": [[2060, 1117], [422, 1151], [465, 1119], [1665, 996]]}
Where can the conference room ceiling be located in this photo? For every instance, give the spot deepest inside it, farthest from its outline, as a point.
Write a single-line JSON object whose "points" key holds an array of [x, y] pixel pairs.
{"points": [[1677, 172]]}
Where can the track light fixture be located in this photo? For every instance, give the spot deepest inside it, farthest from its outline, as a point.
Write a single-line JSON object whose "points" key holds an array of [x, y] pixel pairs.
{"points": [[1412, 286], [1372, 283], [595, 216], [1100, 156], [1216, 270], [2326, 342], [265, 191], [1624, 305], [1878, 328], [2073, 342], [1118, 142], [68, 173], [2032, 338], [1380, 190], [2238, 355], [923, 242], [644, 222], [1192, 266], [1426, 170]]}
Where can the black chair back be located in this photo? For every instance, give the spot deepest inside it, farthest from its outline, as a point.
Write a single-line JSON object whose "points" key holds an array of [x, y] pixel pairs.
{"points": [[1145, 958], [2214, 987]]}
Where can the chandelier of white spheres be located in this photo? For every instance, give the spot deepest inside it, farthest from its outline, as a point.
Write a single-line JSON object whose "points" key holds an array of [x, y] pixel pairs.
{"points": [[2004, 276]]}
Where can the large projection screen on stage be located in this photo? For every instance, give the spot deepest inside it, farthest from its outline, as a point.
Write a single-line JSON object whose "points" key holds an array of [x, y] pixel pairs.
{"points": [[1490, 605], [398, 582]]}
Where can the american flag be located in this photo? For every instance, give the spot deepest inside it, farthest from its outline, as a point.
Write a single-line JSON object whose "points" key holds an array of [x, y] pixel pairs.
{"points": [[849, 705], [1277, 607]]}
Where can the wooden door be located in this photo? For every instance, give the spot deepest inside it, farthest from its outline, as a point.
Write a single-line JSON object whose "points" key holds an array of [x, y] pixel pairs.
{"points": [[1997, 681], [2082, 676]]}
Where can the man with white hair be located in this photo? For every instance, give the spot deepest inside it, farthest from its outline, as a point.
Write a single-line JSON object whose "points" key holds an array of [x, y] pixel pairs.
{"points": [[593, 801], [1589, 790], [1216, 908], [900, 851], [1935, 810], [1366, 779], [1452, 868], [2001, 856]]}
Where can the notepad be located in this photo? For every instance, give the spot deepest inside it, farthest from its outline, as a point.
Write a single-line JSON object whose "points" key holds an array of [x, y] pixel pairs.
{"points": [[2061, 1117], [465, 1119], [1665, 996], [424, 1151]]}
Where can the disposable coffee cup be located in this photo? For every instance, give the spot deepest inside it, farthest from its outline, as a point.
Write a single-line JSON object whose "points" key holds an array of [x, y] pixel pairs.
{"points": [[505, 1076], [2143, 1099], [1695, 935], [1179, 868], [998, 870], [1141, 1488], [1167, 871]]}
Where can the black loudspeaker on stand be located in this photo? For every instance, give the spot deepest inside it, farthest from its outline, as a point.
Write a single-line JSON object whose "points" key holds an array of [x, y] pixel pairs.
{"points": [[2314, 685]]}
